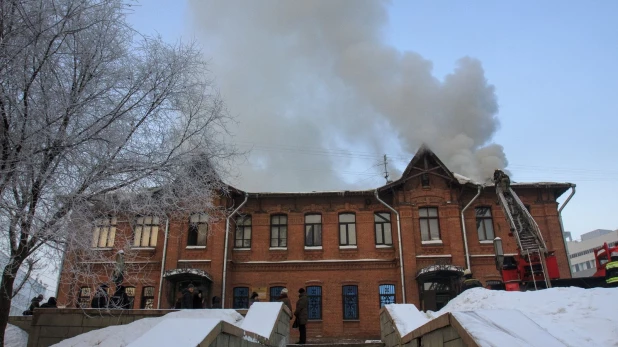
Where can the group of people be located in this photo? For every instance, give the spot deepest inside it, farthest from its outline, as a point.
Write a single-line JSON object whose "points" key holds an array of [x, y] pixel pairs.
{"points": [[36, 303], [190, 299], [120, 299], [301, 313]]}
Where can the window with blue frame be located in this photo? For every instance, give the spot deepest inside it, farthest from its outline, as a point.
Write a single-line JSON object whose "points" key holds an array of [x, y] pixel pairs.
{"points": [[350, 302], [274, 293], [314, 298], [241, 297], [387, 294]]}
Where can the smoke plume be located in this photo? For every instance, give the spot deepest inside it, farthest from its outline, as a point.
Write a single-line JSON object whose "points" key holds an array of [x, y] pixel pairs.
{"points": [[319, 95]]}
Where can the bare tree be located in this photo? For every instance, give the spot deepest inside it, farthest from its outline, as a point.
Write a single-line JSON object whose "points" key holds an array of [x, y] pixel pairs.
{"points": [[95, 119]]}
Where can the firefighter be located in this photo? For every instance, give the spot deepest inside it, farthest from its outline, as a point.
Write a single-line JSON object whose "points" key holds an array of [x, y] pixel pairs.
{"points": [[469, 281], [611, 270]]}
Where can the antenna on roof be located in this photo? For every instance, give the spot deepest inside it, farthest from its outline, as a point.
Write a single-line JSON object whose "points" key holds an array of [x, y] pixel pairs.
{"points": [[386, 170]]}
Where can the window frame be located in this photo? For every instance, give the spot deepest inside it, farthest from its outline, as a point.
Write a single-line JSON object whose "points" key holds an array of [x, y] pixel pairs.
{"points": [[275, 292], [142, 226], [278, 227], [347, 229], [107, 224], [236, 298], [381, 225], [317, 300], [313, 225], [483, 219], [144, 303], [194, 230], [346, 299], [241, 226], [84, 298], [427, 219], [384, 295], [131, 297]]}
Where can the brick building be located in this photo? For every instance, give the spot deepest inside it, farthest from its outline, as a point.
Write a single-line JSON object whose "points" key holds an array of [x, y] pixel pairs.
{"points": [[343, 247]]}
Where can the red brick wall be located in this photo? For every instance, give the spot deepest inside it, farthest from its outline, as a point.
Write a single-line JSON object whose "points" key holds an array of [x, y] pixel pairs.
{"points": [[297, 267]]}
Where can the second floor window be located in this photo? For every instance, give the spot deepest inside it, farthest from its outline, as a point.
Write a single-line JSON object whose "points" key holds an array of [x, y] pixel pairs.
{"points": [[146, 232], [313, 230], [104, 232], [279, 231], [484, 223], [198, 229], [242, 238], [347, 229], [383, 228], [430, 227]]}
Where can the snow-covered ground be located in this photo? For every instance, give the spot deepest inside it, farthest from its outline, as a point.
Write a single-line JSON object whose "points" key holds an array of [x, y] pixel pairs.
{"points": [[123, 335], [181, 328], [572, 316], [15, 337]]}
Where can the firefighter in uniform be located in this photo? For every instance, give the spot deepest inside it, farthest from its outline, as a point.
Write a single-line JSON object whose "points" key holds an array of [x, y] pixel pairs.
{"points": [[469, 282], [611, 271]]}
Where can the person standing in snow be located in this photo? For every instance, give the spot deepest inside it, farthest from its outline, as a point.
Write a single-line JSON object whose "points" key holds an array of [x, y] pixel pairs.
{"points": [[216, 302], [34, 303], [469, 281], [283, 297], [253, 299], [302, 314], [187, 297], [611, 271]]}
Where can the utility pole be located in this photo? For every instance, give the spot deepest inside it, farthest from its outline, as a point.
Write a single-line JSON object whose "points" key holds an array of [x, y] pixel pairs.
{"points": [[385, 169]]}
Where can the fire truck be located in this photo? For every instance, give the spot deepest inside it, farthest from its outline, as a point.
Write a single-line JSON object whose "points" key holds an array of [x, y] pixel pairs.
{"points": [[534, 266]]}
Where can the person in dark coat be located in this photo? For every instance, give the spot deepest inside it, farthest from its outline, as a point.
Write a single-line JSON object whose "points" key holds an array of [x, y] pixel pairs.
{"points": [[216, 302], [51, 303], [120, 299], [469, 282], [283, 297], [253, 298], [100, 299], [187, 297], [302, 314], [34, 303], [198, 299]]}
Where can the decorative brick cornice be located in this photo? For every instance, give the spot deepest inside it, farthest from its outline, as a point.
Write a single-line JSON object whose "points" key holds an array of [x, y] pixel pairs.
{"points": [[308, 265]]}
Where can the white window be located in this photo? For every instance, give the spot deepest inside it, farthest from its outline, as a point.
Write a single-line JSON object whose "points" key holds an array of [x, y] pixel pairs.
{"points": [[146, 231], [104, 232], [430, 227]]}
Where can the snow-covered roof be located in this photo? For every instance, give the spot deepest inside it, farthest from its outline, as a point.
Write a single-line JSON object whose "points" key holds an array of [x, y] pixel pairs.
{"points": [[439, 267]]}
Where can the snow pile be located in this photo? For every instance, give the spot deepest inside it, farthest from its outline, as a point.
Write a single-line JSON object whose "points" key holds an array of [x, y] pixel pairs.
{"points": [[15, 337], [511, 328], [551, 317], [123, 335], [261, 318], [406, 317], [575, 316], [177, 332]]}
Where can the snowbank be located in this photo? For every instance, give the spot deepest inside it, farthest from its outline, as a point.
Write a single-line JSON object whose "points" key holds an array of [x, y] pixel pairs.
{"points": [[261, 318], [406, 317], [575, 316], [177, 332], [15, 337], [123, 335], [550, 317]]}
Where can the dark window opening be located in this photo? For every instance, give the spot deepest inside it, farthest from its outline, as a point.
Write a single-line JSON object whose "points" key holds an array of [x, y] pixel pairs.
{"points": [[314, 298], [350, 302], [241, 297]]}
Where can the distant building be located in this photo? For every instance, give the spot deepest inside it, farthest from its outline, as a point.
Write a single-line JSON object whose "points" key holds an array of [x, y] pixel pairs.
{"points": [[31, 288], [581, 252]]}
